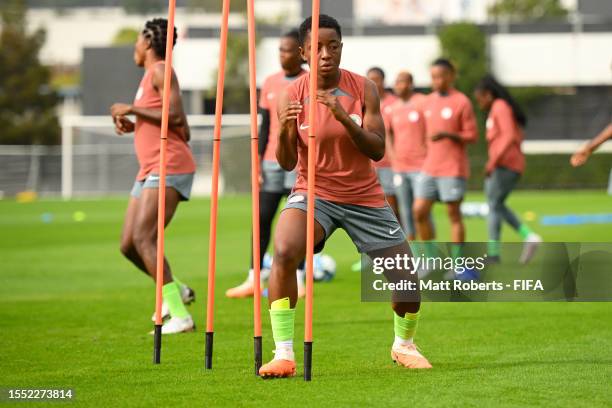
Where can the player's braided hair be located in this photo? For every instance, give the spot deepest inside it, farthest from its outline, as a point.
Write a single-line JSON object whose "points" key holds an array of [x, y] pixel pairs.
{"points": [[155, 31], [490, 84]]}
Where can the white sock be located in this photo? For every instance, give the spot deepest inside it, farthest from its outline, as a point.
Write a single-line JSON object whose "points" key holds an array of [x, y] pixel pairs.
{"points": [[252, 275], [284, 350], [399, 342], [301, 276]]}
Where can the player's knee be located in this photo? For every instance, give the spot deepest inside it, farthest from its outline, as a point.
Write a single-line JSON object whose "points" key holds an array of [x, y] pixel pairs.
{"points": [[286, 254], [143, 239], [454, 213], [420, 212]]}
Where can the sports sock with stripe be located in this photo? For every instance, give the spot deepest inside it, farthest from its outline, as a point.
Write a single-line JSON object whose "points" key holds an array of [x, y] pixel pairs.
{"points": [[282, 318], [493, 248], [172, 297], [405, 328], [524, 231]]}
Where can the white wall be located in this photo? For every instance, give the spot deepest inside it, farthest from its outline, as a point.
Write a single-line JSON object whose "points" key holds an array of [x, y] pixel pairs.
{"points": [[553, 59], [517, 59]]}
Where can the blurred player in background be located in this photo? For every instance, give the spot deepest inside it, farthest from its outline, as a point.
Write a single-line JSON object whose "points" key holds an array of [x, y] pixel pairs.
{"points": [[407, 138], [582, 155], [383, 167], [275, 183], [139, 236], [350, 135], [450, 125], [504, 131]]}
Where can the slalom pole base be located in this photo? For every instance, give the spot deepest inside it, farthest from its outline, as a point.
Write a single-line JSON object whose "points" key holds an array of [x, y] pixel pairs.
{"points": [[257, 349], [157, 335], [208, 351], [307, 360]]}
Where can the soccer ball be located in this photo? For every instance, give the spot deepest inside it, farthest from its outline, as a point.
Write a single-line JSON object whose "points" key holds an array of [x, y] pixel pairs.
{"points": [[324, 268]]}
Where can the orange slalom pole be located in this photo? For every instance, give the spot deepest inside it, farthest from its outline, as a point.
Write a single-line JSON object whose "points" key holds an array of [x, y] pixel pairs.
{"points": [[254, 188], [214, 196], [312, 131], [161, 205]]}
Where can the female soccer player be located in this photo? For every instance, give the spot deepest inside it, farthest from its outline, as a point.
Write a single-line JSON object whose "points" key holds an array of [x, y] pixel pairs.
{"points": [[350, 134], [383, 166], [139, 236], [275, 182], [451, 125], [407, 136], [506, 163]]}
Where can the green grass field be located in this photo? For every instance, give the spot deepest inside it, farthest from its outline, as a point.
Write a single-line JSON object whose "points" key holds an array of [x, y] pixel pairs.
{"points": [[74, 313]]}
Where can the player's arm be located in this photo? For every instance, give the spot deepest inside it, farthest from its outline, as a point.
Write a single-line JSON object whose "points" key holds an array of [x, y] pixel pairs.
{"points": [[582, 155], [370, 138], [286, 149], [264, 131], [469, 129]]}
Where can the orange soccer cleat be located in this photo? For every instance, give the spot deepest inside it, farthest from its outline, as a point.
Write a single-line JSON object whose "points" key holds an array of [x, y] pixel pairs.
{"points": [[278, 369], [409, 357]]}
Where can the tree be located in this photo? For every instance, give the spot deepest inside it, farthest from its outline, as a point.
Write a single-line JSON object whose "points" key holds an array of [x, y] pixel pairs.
{"points": [[144, 6], [528, 9], [27, 101], [125, 36], [465, 45], [215, 5], [236, 95]]}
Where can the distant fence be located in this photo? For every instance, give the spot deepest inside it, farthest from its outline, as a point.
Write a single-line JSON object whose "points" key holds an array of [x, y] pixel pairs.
{"points": [[94, 161]]}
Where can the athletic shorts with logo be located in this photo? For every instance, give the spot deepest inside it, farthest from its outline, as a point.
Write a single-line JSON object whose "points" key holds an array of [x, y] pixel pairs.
{"points": [[182, 183], [369, 228], [444, 189]]}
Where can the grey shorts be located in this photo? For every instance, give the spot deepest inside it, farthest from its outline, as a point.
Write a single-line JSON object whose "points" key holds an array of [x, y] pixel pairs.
{"points": [[369, 228], [180, 182], [445, 189], [275, 178], [385, 178]]}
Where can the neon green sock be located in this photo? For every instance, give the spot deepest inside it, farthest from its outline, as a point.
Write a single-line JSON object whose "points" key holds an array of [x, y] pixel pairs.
{"points": [[172, 297], [405, 327], [456, 250], [282, 318], [524, 231], [430, 249], [493, 248]]}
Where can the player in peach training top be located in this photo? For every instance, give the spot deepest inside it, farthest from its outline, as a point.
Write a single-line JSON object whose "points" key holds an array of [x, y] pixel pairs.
{"points": [[139, 236], [275, 182], [506, 163], [407, 136], [383, 167], [350, 134], [451, 126]]}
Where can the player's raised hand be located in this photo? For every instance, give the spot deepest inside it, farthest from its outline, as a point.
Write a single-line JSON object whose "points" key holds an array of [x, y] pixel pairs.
{"points": [[289, 114], [332, 102], [123, 125], [580, 157]]}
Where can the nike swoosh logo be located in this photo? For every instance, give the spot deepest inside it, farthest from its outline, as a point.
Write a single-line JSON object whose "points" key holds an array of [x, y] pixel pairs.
{"points": [[304, 127], [391, 232]]}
